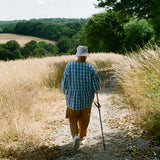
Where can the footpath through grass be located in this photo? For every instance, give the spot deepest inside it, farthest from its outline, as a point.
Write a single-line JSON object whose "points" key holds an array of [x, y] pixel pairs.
{"points": [[27, 88]]}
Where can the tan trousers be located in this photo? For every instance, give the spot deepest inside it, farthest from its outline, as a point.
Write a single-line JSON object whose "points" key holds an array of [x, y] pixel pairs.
{"points": [[81, 117]]}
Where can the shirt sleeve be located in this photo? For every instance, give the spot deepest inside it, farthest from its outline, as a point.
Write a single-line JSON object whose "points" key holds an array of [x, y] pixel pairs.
{"points": [[65, 79], [96, 82]]}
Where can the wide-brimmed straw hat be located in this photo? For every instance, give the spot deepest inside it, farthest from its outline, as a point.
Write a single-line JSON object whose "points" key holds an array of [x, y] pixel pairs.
{"points": [[82, 51]]}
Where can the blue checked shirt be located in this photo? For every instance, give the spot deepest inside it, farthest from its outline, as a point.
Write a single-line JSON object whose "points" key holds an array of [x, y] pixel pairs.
{"points": [[79, 84]]}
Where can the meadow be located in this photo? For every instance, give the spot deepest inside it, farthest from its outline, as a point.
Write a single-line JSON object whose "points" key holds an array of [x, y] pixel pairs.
{"points": [[28, 87], [21, 39]]}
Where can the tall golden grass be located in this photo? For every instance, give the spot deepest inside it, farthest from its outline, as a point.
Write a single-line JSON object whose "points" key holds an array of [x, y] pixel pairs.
{"points": [[22, 115], [23, 94], [139, 79]]}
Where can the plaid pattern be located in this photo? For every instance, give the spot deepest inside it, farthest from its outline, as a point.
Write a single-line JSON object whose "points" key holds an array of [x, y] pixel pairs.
{"points": [[80, 82]]}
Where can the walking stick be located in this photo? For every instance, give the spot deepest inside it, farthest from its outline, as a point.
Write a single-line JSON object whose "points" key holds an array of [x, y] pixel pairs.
{"points": [[97, 104]]}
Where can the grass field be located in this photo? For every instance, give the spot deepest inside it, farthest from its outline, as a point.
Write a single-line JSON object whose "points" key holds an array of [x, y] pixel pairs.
{"points": [[21, 39], [27, 88]]}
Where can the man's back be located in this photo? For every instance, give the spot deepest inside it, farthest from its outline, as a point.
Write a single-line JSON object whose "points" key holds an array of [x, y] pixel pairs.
{"points": [[80, 82]]}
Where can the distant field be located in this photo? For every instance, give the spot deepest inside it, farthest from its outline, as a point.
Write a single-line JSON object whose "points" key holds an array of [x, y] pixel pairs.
{"points": [[20, 38]]}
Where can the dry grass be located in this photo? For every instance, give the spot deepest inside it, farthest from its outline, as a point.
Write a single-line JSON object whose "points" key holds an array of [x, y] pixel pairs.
{"points": [[21, 39], [21, 114], [140, 83], [103, 62], [27, 90]]}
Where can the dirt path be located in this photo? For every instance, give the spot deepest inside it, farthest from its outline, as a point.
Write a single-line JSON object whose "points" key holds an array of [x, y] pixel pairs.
{"points": [[123, 139]]}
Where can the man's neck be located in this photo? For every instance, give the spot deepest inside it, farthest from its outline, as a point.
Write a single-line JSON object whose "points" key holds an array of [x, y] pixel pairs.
{"points": [[81, 60]]}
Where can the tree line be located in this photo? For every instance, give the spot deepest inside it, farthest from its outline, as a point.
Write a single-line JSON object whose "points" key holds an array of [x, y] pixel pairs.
{"points": [[51, 31], [44, 20], [63, 31], [11, 50], [147, 9], [107, 32]]}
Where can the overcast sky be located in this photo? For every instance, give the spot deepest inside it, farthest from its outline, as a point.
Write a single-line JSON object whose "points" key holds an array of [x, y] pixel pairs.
{"points": [[28, 9]]}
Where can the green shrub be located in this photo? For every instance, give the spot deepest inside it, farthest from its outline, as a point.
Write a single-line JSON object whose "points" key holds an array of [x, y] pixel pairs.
{"points": [[10, 51], [63, 44], [39, 49], [29, 48], [137, 34], [103, 33]]}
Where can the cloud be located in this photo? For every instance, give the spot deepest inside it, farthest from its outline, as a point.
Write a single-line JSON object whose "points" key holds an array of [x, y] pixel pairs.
{"points": [[41, 2], [3, 4], [27, 9]]}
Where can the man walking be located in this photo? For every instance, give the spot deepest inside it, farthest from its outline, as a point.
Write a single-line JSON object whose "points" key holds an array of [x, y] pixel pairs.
{"points": [[79, 84]]}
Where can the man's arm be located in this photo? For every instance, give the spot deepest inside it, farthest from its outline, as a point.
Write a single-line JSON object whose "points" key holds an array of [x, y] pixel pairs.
{"points": [[96, 82], [65, 79]]}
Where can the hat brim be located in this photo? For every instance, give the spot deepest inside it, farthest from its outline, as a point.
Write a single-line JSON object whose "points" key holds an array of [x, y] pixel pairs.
{"points": [[82, 55]]}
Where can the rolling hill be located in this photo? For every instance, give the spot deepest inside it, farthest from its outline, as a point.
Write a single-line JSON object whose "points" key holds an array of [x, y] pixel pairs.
{"points": [[21, 39]]}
